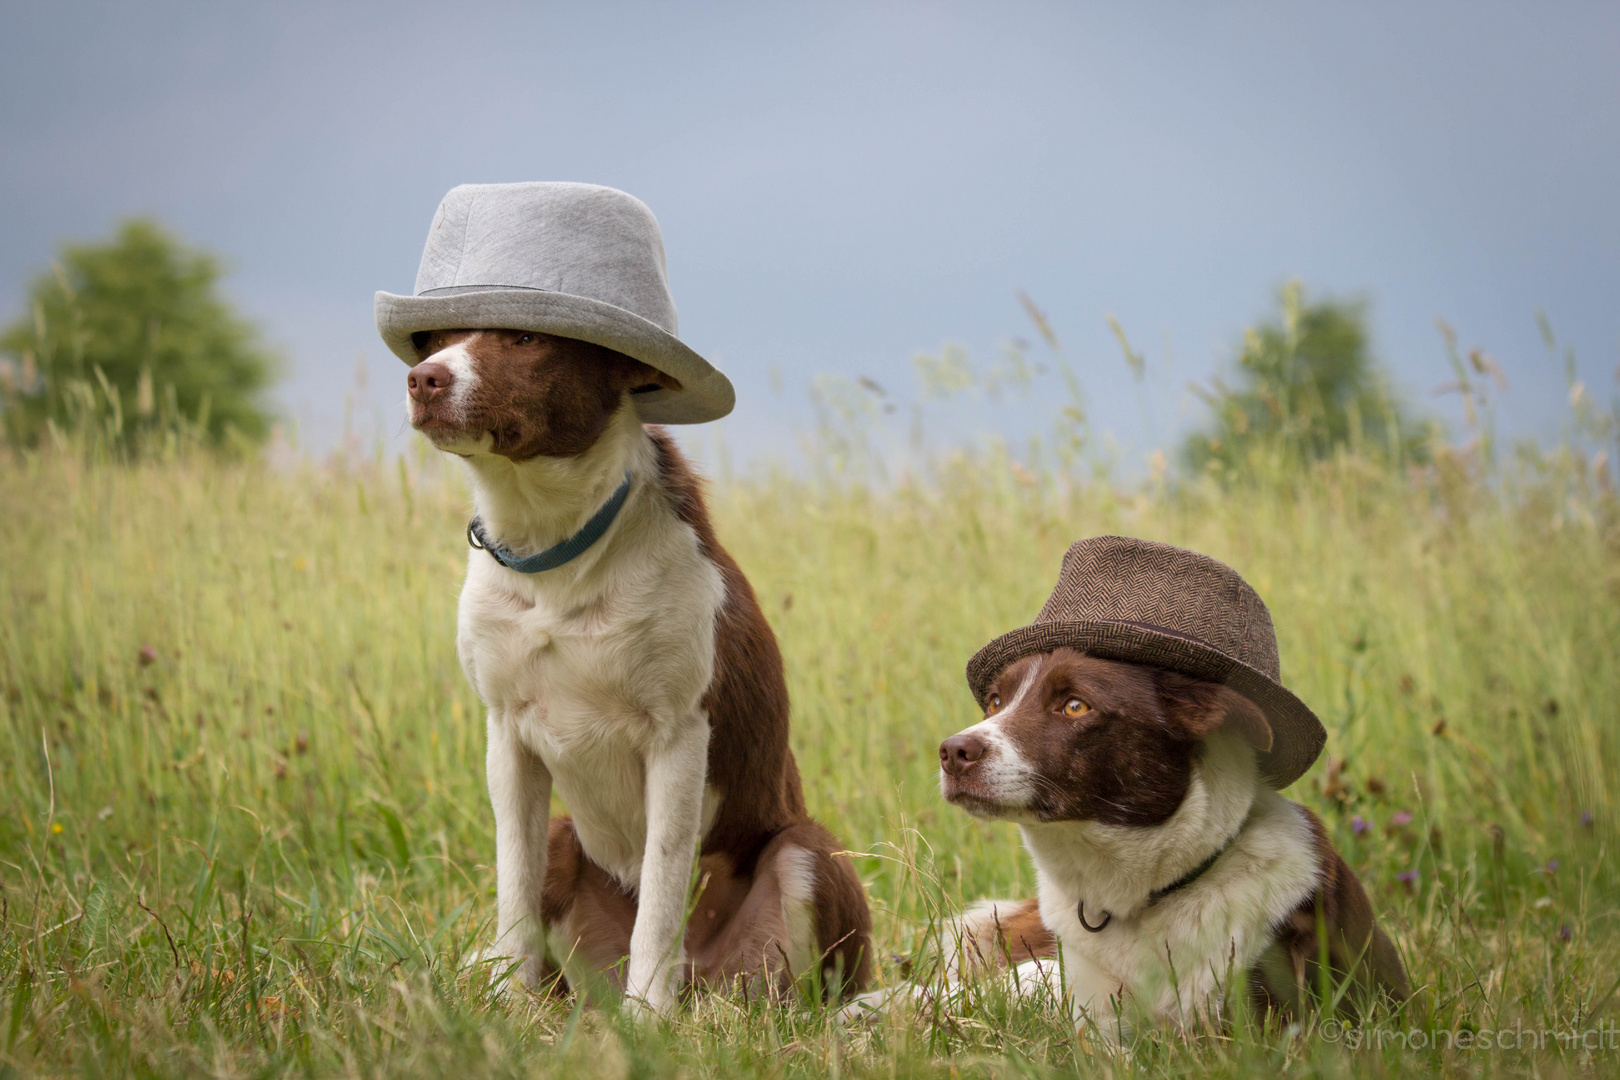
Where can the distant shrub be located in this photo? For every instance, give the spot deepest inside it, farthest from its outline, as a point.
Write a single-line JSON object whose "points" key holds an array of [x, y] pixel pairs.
{"points": [[131, 339], [1307, 386]]}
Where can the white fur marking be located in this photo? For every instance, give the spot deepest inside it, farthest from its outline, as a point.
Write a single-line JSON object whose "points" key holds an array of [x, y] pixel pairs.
{"points": [[796, 870], [464, 379], [463, 372], [1003, 773]]}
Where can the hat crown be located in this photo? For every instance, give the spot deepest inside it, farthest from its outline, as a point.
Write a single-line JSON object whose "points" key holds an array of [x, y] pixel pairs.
{"points": [[578, 239], [1123, 579]]}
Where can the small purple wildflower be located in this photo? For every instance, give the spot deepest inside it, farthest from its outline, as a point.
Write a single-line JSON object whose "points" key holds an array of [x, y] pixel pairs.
{"points": [[1586, 819], [147, 655], [1552, 866], [1565, 932], [1400, 817], [1407, 878], [1359, 825]]}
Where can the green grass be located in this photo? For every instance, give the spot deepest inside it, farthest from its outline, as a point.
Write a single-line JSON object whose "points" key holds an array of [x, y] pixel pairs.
{"points": [[243, 828]]}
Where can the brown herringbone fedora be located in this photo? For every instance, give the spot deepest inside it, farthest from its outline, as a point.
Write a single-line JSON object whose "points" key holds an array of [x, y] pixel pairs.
{"points": [[1132, 600]]}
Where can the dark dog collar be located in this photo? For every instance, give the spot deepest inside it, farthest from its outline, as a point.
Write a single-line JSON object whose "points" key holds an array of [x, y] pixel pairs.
{"points": [[1159, 894], [565, 552]]}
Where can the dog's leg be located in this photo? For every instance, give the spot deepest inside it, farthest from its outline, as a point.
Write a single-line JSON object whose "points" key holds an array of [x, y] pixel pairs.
{"points": [[675, 776], [1098, 999], [520, 793]]}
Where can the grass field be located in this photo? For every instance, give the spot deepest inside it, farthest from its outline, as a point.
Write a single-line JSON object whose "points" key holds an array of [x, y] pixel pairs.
{"points": [[243, 828]]}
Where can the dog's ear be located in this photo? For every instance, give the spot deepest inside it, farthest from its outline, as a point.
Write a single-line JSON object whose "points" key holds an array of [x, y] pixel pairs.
{"points": [[622, 372], [643, 378], [1200, 707]]}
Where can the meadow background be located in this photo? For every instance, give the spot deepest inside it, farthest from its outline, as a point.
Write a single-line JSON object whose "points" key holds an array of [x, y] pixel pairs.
{"points": [[243, 827]]}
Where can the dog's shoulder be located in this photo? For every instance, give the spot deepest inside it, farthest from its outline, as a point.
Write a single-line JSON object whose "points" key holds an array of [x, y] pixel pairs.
{"points": [[747, 698], [1337, 917], [682, 487]]}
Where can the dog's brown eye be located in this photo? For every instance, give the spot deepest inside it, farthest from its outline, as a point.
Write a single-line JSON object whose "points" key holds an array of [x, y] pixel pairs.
{"points": [[525, 339], [992, 705], [1075, 707]]}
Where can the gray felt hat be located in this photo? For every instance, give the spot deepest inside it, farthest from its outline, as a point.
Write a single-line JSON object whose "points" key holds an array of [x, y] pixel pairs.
{"points": [[575, 260], [1120, 598]]}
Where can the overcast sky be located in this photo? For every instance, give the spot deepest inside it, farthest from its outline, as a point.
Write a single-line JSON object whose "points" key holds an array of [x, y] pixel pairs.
{"points": [[841, 187]]}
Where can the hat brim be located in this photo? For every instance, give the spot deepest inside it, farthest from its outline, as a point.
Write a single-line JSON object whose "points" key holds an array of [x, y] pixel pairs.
{"points": [[705, 393], [1297, 736]]}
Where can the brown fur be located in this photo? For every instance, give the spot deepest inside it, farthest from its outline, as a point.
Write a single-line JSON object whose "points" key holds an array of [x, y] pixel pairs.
{"points": [[749, 758], [736, 936], [537, 394], [750, 761], [1011, 938], [598, 911]]}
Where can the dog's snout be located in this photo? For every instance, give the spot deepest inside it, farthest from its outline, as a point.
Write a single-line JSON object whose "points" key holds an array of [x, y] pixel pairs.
{"points": [[959, 753], [427, 379]]}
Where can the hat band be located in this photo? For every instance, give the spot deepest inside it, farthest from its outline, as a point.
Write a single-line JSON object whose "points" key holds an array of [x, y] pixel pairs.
{"points": [[456, 290], [1157, 629]]}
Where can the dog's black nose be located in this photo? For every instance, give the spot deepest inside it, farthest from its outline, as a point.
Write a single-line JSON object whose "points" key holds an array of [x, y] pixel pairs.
{"points": [[959, 753], [427, 379]]}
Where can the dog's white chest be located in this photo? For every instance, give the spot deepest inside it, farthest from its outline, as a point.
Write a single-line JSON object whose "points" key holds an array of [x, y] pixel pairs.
{"points": [[593, 683], [1182, 956]]}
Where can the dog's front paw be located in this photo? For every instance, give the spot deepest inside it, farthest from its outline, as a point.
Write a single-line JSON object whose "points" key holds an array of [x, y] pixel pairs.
{"points": [[639, 1011], [874, 1004], [646, 1000], [506, 975]]}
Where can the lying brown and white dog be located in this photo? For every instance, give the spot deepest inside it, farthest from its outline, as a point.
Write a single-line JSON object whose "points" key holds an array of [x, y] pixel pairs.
{"points": [[1171, 876], [1137, 732], [640, 680]]}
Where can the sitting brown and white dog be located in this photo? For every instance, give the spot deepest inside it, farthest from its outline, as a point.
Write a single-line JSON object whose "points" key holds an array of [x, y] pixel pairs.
{"points": [[641, 680], [1171, 875], [621, 653]]}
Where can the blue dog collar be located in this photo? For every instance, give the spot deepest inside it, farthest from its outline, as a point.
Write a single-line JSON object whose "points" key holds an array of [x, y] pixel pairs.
{"points": [[565, 552]]}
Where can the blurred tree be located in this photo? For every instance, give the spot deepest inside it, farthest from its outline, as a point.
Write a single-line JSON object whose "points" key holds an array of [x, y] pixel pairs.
{"points": [[133, 337], [1306, 387]]}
